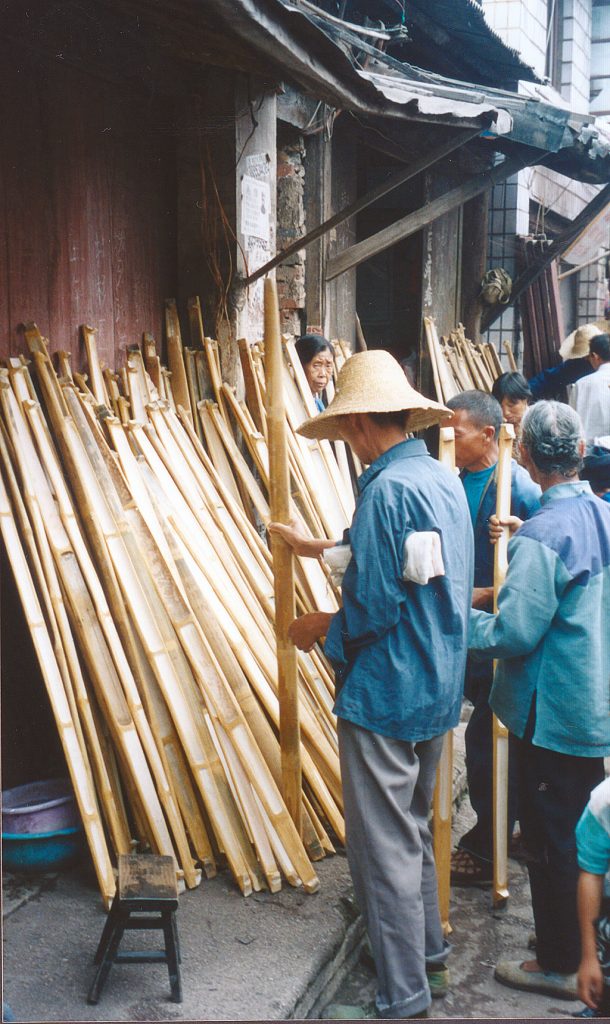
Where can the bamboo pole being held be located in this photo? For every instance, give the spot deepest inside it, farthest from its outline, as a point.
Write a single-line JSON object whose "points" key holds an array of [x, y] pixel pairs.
{"points": [[443, 793], [500, 732], [283, 565]]}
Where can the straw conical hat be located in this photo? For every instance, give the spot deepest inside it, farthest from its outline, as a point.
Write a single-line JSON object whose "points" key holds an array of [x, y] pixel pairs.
{"points": [[372, 381], [576, 344]]}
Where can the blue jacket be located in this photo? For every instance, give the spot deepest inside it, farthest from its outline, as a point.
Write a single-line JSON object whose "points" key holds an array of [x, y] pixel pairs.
{"points": [[550, 383], [398, 648], [551, 630]]}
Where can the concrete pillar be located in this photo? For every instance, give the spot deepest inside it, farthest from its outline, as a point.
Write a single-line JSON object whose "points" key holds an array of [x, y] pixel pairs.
{"points": [[255, 192]]}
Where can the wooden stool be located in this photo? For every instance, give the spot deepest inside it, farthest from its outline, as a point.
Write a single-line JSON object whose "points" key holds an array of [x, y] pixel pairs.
{"points": [[147, 885]]}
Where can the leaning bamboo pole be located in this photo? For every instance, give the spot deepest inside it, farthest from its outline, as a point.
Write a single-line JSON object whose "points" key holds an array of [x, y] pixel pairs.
{"points": [[77, 766], [500, 732], [283, 567], [443, 793]]}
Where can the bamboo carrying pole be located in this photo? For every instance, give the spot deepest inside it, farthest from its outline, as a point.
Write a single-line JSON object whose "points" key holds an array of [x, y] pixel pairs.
{"points": [[283, 565], [443, 793], [500, 732]]}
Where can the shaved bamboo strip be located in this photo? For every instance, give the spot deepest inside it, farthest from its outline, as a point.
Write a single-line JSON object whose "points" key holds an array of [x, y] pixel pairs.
{"points": [[65, 652], [152, 363], [148, 688], [254, 397], [251, 812], [195, 322], [216, 449], [64, 367], [191, 377], [508, 348], [179, 386], [93, 642], [98, 386], [79, 770]]}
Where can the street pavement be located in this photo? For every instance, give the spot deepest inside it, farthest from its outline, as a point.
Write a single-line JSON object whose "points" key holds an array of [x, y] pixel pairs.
{"points": [[267, 957], [480, 938]]}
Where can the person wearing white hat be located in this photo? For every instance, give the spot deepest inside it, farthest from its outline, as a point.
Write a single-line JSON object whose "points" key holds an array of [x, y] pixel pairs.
{"points": [[398, 648], [591, 395]]}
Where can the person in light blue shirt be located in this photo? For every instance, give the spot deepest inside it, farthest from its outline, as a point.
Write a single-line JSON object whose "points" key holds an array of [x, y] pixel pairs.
{"points": [[552, 685], [398, 648]]}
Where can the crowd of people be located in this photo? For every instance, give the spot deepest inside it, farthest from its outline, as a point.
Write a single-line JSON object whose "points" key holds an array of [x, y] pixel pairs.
{"points": [[416, 633]]}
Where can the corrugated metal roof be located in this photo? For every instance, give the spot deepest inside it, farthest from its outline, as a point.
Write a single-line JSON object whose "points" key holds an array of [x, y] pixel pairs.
{"points": [[460, 28], [570, 142], [425, 100]]}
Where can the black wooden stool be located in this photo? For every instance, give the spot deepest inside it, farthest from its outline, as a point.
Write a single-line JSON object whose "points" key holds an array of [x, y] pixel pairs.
{"points": [[147, 886]]}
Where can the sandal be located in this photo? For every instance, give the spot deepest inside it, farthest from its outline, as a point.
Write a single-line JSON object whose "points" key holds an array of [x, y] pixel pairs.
{"points": [[466, 869]]}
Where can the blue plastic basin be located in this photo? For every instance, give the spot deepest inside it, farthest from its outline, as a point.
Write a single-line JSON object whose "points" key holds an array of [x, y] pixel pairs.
{"points": [[43, 851]]}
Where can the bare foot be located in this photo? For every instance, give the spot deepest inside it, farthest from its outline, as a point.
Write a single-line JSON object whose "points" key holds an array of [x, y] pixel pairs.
{"points": [[531, 966]]}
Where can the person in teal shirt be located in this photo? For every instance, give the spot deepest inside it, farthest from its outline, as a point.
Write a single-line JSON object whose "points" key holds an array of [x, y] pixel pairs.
{"points": [[477, 417]]}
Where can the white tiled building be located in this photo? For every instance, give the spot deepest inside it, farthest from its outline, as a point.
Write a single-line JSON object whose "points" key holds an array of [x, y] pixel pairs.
{"points": [[567, 42]]}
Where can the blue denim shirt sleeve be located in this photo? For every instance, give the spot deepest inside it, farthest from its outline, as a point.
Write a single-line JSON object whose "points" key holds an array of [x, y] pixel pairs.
{"points": [[374, 578]]}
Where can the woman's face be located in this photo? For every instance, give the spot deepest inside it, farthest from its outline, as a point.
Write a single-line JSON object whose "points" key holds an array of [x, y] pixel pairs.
{"points": [[319, 371], [514, 410]]}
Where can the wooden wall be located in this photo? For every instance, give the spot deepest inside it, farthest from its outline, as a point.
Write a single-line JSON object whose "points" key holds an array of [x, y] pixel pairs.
{"points": [[88, 217]]}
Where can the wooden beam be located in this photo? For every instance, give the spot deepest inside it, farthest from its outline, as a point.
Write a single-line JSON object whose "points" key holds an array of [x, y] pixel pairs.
{"points": [[421, 163], [561, 243], [413, 222]]}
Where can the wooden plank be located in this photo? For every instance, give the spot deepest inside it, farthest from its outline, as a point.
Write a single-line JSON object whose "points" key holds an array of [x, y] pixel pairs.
{"points": [[420, 163], [413, 222]]}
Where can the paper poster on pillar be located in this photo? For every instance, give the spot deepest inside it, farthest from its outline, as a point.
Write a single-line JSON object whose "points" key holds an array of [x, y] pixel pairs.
{"points": [[258, 230]]}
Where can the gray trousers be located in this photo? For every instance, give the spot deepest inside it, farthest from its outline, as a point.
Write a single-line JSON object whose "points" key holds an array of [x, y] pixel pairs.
{"points": [[387, 790]]}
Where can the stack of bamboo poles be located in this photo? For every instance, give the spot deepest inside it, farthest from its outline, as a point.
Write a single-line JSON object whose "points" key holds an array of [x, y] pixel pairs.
{"points": [[132, 519], [541, 313], [459, 364]]}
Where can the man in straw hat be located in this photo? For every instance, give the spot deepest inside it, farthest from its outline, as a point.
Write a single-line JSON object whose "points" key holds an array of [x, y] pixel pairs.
{"points": [[398, 648]]}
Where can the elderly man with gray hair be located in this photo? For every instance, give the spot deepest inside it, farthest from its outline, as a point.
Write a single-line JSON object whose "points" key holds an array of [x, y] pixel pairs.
{"points": [[552, 684]]}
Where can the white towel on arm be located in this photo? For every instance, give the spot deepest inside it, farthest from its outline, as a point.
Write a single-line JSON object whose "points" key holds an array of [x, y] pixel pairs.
{"points": [[423, 558], [337, 559]]}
